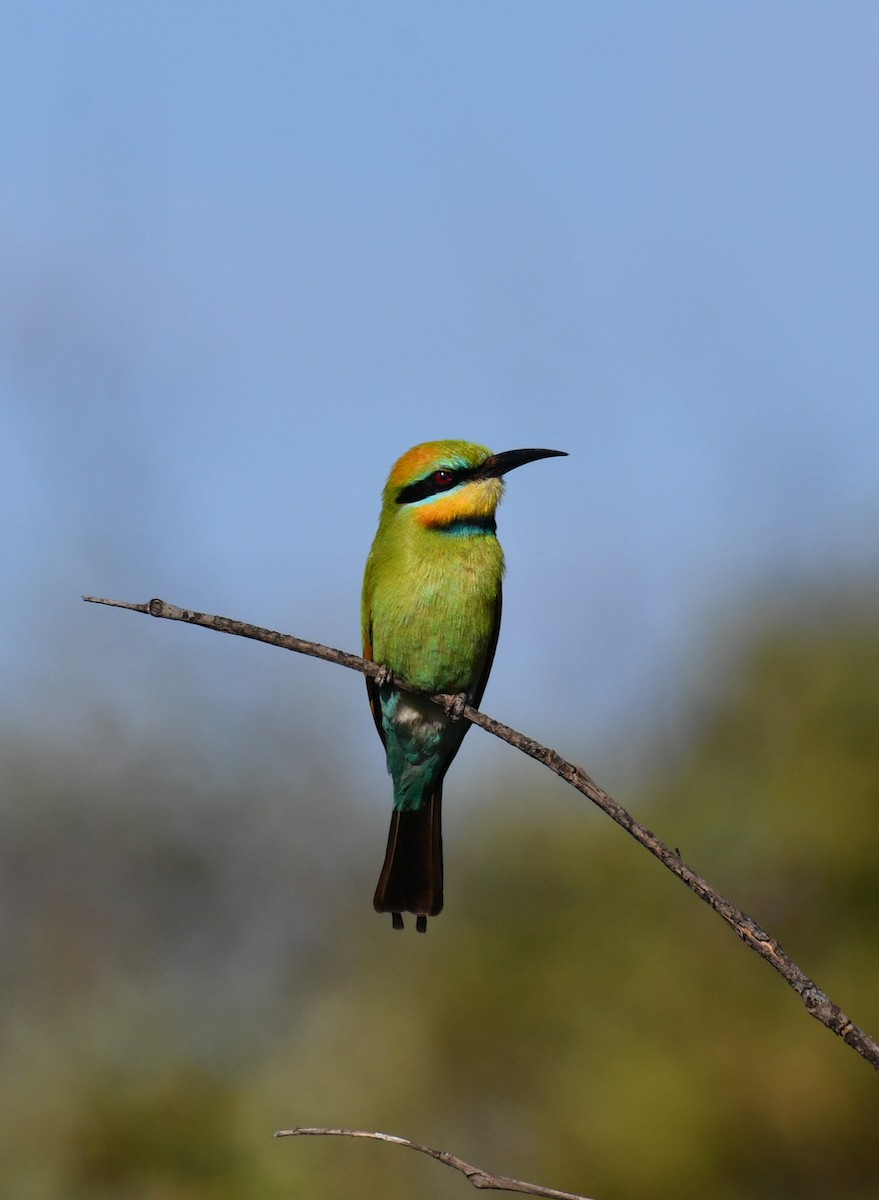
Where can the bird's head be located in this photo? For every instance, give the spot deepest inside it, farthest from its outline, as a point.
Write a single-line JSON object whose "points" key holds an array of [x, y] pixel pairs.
{"points": [[444, 485]]}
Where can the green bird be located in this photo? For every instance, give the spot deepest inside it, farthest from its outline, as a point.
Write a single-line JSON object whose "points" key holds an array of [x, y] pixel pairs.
{"points": [[431, 614]]}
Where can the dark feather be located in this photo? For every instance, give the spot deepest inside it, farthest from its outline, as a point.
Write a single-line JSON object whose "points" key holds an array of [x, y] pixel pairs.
{"points": [[411, 879]]}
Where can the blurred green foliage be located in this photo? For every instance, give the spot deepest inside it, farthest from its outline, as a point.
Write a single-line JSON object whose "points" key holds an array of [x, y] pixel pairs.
{"points": [[184, 977]]}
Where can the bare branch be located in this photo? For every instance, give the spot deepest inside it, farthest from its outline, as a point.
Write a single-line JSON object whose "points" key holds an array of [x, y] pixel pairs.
{"points": [[817, 1003], [476, 1175]]}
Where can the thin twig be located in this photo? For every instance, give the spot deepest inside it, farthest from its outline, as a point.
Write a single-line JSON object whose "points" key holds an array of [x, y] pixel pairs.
{"points": [[476, 1175], [817, 1003]]}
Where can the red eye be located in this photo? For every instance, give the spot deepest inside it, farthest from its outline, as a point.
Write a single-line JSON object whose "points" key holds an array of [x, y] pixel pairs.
{"points": [[442, 476]]}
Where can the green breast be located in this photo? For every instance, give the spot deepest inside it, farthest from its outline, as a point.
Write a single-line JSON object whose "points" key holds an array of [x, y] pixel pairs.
{"points": [[433, 601]]}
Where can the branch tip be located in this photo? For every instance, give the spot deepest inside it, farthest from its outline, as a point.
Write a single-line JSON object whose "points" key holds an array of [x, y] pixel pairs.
{"points": [[116, 603], [480, 1178]]}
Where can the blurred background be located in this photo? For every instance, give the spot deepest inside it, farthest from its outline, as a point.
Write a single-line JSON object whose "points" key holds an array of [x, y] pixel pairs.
{"points": [[248, 256]]}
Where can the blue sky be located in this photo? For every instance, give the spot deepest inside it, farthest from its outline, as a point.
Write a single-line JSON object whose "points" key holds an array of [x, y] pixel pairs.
{"points": [[249, 254]]}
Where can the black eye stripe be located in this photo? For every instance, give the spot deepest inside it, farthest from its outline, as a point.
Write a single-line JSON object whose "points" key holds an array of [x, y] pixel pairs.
{"points": [[430, 485]]}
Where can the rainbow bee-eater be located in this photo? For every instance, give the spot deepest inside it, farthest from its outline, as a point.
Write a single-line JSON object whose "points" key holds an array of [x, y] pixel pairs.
{"points": [[431, 614]]}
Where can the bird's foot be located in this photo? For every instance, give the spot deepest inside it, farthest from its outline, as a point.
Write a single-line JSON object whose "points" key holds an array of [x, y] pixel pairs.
{"points": [[454, 707], [384, 677], [397, 920], [421, 923]]}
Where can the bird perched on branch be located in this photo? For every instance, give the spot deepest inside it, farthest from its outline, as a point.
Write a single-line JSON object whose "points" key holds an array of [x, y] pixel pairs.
{"points": [[431, 614]]}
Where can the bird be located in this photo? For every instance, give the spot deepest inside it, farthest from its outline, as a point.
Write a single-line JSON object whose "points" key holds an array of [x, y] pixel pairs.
{"points": [[431, 613]]}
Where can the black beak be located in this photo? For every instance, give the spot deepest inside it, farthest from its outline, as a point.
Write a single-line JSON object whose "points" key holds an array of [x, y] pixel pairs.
{"points": [[498, 464]]}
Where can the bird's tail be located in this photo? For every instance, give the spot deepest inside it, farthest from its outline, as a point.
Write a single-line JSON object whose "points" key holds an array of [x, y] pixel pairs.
{"points": [[412, 875]]}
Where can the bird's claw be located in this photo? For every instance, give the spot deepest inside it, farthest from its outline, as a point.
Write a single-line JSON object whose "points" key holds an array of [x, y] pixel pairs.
{"points": [[455, 706], [384, 676]]}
